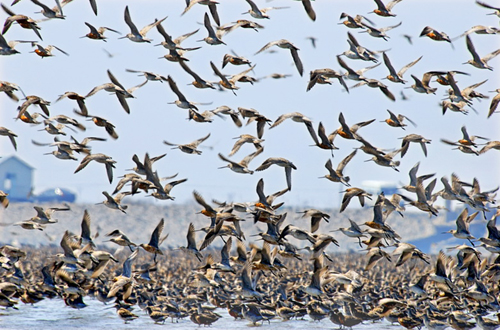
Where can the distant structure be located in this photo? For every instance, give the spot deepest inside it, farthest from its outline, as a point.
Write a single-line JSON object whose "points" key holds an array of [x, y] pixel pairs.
{"points": [[16, 179], [376, 187]]}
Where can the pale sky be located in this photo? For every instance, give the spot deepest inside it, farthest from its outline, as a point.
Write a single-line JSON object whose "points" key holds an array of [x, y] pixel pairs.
{"points": [[153, 120]]}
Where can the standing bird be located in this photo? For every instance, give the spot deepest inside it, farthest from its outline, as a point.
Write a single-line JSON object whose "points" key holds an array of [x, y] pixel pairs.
{"points": [[135, 35], [285, 44], [288, 165], [154, 242]]}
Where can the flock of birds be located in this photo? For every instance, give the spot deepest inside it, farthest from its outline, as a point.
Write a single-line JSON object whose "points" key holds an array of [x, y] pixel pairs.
{"points": [[274, 279]]}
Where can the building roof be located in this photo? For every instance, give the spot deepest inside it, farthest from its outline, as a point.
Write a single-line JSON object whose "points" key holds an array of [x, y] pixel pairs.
{"points": [[17, 159]]}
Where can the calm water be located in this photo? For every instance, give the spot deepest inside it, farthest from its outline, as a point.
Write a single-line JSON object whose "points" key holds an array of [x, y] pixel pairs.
{"points": [[54, 314]]}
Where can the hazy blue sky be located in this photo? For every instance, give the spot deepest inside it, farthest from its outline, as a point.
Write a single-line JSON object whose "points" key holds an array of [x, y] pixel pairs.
{"points": [[153, 120]]}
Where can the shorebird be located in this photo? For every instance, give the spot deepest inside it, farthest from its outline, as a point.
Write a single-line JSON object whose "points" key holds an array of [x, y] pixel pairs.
{"points": [[85, 237], [485, 5], [49, 12], [80, 100], [259, 13], [198, 81], [411, 187], [424, 197], [422, 86], [182, 102], [150, 76], [100, 158], [212, 6], [337, 175], [154, 243], [462, 222], [385, 159], [414, 138], [397, 121], [326, 141], [235, 60], [231, 82], [322, 76], [9, 88], [175, 44], [118, 237], [242, 166], [477, 61], [33, 99], [135, 35], [354, 192], [115, 87], [385, 10], [379, 32], [288, 165], [109, 127], [350, 132], [434, 34], [212, 38], [374, 83], [97, 34], [189, 148], [125, 280], [353, 231], [358, 52], [7, 132], [351, 74], [44, 216], [23, 21], [490, 145], [245, 138], [316, 217], [191, 246], [285, 44], [115, 202], [397, 77], [354, 22]]}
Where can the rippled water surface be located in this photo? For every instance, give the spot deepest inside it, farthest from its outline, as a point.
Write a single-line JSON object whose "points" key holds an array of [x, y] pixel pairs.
{"points": [[54, 314]]}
